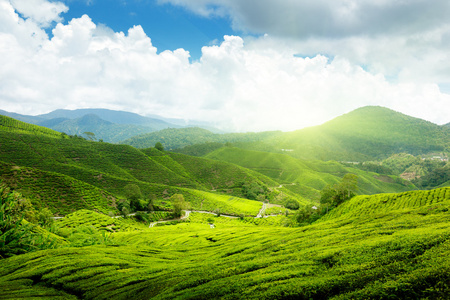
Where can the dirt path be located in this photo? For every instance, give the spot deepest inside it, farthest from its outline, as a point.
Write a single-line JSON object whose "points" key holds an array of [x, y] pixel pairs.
{"points": [[261, 211]]}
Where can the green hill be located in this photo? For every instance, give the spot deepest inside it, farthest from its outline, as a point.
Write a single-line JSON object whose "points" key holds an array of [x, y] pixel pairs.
{"points": [[173, 138], [60, 193], [9, 124], [376, 247], [365, 134], [108, 125], [307, 178], [105, 169]]}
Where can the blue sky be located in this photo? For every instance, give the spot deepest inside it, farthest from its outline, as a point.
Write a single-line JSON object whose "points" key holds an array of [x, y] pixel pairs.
{"points": [[241, 65], [170, 27]]}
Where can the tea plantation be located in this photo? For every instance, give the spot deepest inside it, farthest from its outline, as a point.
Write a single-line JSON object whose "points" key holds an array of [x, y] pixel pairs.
{"points": [[393, 246], [151, 224]]}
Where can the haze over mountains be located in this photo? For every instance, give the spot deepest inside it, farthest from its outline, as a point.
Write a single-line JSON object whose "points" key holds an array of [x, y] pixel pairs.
{"points": [[108, 125], [364, 134], [393, 243], [380, 125]]}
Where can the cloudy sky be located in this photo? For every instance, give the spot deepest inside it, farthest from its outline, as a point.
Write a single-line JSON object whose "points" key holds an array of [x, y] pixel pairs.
{"points": [[244, 65]]}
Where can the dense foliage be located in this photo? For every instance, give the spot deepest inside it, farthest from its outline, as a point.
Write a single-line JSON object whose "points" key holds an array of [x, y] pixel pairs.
{"points": [[18, 236], [307, 178], [382, 246], [74, 173], [365, 134], [173, 138]]}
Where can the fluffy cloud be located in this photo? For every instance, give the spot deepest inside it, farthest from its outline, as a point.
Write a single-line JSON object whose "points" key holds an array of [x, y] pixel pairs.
{"points": [[404, 39], [251, 84], [40, 11]]}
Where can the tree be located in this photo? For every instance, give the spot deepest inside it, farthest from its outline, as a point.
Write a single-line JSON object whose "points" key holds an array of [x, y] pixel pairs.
{"points": [[349, 184], [292, 204], [90, 135], [307, 214], [159, 146], [133, 194], [252, 190], [179, 204], [17, 235], [123, 205], [338, 193]]}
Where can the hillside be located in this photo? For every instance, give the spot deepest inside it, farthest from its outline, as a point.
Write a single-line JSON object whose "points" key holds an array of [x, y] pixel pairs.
{"points": [[393, 246], [11, 125], [110, 168], [307, 178], [108, 125], [178, 138], [103, 130], [365, 134]]}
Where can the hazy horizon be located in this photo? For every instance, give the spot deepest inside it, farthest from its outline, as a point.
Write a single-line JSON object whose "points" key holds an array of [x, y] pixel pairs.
{"points": [[243, 66]]}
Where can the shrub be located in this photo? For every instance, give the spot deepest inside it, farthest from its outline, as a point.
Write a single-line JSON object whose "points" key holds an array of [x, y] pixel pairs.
{"points": [[16, 234], [292, 204]]}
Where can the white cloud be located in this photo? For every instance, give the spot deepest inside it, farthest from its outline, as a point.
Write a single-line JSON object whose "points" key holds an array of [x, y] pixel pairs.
{"points": [[42, 12], [404, 39], [256, 84]]}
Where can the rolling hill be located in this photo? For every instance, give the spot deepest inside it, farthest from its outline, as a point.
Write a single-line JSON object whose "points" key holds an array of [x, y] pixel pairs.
{"points": [[382, 246], [307, 178], [177, 138], [108, 125], [43, 153], [364, 134], [368, 133]]}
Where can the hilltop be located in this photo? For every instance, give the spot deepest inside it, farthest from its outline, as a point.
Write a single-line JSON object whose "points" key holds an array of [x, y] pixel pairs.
{"points": [[367, 133]]}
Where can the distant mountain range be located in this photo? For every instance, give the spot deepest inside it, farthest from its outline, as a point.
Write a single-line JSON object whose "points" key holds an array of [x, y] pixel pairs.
{"points": [[107, 125], [364, 134]]}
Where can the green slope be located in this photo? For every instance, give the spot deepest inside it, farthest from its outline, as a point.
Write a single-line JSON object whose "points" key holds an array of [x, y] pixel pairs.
{"points": [[365, 134], [111, 167], [307, 178], [420, 202], [399, 253], [12, 125], [60, 193], [173, 138]]}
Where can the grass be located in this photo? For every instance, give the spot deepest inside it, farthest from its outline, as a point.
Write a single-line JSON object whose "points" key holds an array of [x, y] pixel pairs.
{"points": [[224, 204], [306, 178], [99, 221], [105, 169], [60, 193], [384, 246], [398, 253]]}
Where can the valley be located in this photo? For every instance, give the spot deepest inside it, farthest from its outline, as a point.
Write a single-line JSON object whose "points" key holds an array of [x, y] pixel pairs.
{"points": [[356, 208]]}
